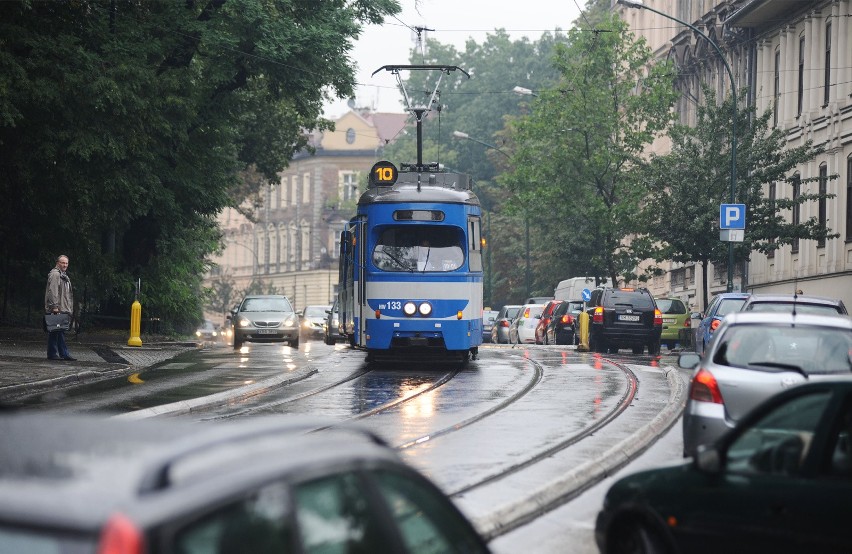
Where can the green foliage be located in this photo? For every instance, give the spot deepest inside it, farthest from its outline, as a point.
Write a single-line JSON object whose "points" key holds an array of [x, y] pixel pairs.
{"points": [[687, 186], [125, 127], [578, 148]]}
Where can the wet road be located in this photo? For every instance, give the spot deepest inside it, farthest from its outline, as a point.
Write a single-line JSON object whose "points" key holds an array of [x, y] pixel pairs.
{"points": [[505, 427]]}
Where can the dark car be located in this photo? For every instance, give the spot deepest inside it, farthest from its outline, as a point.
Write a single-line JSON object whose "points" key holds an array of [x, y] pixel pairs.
{"points": [[89, 484], [505, 317], [786, 303], [332, 325], [624, 317], [721, 305], [266, 318], [562, 328], [544, 321], [780, 481]]}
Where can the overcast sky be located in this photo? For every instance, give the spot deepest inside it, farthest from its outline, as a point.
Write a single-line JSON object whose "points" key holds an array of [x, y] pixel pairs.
{"points": [[453, 21]]}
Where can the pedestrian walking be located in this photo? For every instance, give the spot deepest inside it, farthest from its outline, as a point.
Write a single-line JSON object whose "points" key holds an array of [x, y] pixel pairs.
{"points": [[58, 298]]}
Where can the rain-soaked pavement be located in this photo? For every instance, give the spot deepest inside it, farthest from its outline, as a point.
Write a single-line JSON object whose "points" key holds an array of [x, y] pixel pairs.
{"points": [[511, 436]]}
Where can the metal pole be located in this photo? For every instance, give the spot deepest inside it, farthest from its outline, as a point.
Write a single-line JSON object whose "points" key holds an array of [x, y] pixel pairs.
{"points": [[733, 179], [527, 226]]}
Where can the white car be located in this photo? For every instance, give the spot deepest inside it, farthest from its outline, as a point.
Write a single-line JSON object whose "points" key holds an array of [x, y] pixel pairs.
{"points": [[523, 328]]}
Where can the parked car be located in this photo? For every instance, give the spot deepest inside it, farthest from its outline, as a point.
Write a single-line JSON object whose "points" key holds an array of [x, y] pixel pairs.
{"points": [[313, 321], [753, 356], [488, 319], [523, 327], [544, 320], [721, 305], [562, 328], [207, 331], [676, 320], [787, 302], [266, 318], [90, 484], [331, 327], [505, 317], [779, 481], [624, 317]]}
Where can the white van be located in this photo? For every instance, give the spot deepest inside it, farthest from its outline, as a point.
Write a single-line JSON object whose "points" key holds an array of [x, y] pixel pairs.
{"points": [[570, 289]]}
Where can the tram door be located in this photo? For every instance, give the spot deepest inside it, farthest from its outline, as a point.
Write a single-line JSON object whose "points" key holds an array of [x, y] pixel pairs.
{"points": [[351, 294]]}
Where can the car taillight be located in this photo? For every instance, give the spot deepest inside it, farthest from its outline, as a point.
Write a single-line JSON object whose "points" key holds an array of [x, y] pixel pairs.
{"points": [[569, 319], [504, 323], [597, 317], [121, 536], [658, 317], [687, 323], [705, 388], [714, 324], [526, 313]]}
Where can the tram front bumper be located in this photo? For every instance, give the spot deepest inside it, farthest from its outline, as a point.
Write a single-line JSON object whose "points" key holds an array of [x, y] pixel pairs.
{"points": [[386, 334]]}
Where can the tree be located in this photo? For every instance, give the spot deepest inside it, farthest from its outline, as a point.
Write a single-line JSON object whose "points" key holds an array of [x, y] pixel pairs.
{"points": [[687, 186], [576, 152], [125, 127]]}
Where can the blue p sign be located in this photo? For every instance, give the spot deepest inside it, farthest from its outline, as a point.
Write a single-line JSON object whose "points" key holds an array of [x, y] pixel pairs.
{"points": [[732, 216]]}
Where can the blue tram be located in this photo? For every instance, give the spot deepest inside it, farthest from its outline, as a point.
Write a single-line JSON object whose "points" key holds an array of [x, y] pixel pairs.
{"points": [[411, 265]]}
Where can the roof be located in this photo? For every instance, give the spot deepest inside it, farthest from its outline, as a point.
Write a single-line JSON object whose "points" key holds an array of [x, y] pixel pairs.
{"points": [[74, 471], [783, 318]]}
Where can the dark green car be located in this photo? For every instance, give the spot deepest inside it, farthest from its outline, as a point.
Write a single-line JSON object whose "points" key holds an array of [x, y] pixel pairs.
{"points": [[781, 481]]}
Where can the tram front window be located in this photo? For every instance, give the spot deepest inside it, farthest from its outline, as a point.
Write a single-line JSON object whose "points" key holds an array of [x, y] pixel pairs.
{"points": [[424, 248]]}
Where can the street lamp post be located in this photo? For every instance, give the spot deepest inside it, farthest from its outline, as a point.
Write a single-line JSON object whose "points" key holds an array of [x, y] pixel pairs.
{"points": [[639, 5], [461, 135]]}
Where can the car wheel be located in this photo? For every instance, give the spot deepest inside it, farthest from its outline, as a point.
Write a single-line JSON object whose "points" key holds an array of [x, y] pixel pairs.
{"points": [[294, 344], [328, 340], [598, 345], [635, 538], [237, 343], [638, 349], [654, 348]]}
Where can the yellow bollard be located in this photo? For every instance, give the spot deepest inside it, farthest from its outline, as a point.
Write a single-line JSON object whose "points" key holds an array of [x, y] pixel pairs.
{"points": [[135, 324], [584, 332]]}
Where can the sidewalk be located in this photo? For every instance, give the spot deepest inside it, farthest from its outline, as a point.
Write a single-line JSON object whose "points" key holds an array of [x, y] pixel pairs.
{"points": [[25, 369]]}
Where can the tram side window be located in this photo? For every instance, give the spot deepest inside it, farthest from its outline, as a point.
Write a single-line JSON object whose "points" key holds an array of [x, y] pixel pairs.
{"points": [[474, 243], [419, 248]]}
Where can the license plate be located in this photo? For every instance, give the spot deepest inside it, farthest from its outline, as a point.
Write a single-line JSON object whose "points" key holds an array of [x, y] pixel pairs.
{"points": [[668, 320], [628, 318], [266, 331]]}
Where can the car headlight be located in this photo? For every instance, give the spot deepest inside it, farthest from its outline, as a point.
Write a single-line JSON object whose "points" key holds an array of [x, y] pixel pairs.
{"points": [[289, 322], [198, 333], [243, 322]]}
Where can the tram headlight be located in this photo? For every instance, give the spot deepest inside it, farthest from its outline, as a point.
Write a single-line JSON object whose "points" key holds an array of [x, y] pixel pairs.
{"points": [[425, 309], [409, 308]]}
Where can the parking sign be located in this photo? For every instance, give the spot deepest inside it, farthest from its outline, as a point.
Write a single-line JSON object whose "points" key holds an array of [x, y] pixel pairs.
{"points": [[732, 216]]}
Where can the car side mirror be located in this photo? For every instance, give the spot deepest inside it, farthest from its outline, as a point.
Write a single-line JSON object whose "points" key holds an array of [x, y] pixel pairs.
{"points": [[229, 316], [688, 360], [696, 315], [708, 459]]}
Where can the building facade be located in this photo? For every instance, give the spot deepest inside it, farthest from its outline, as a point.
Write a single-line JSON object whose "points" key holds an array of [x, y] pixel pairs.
{"points": [[291, 244], [795, 55]]}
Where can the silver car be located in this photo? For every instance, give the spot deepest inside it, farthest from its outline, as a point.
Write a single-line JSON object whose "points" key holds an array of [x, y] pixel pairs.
{"points": [[266, 318], [753, 356]]}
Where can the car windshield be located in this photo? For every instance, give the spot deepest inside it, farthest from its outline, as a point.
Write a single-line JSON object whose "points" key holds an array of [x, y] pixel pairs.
{"points": [[671, 306], [787, 307], [489, 317], [629, 298], [419, 248], [266, 305], [512, 313], [316, 311], [806, 349], [729, 305]]}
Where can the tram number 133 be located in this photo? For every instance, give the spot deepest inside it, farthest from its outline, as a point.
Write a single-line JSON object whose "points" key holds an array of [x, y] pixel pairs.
{"points": [[383, 174], [391, 305]]}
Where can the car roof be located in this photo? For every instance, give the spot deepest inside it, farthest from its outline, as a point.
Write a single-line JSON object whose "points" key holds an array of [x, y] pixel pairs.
{"points": [[738, 318], [789, 298], [75, 471]]}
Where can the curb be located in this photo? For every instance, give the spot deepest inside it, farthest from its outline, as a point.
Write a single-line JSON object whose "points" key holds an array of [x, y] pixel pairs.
{"points": [[588, 474], [183, 407]]}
